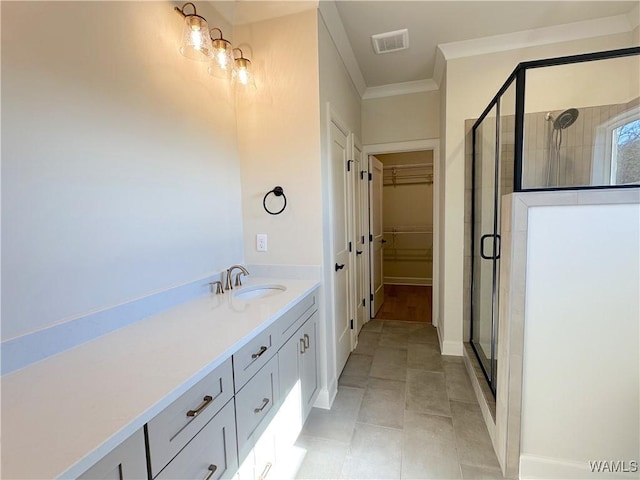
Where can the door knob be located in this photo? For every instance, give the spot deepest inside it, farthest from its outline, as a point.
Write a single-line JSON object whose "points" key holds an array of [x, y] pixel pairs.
{"points": [[383, 241], [339, 267]]}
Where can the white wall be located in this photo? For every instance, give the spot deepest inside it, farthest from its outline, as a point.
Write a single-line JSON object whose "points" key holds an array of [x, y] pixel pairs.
{"points": [[279, 139], [337, 90], [120, 171], [581, 378], [470, 84], [401, 118]]}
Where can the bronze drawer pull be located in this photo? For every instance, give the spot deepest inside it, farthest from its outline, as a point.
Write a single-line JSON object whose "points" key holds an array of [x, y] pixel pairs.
{"points": [[260, 352], [302, 349], [206, 401], [306, 341], [212, 469], [265, 402]]}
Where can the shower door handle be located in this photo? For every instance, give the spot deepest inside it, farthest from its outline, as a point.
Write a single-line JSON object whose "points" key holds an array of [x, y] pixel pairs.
{"points": [[496, 253]]}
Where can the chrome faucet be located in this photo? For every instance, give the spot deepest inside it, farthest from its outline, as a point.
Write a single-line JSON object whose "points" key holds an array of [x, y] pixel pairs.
{"points": [[238, 283]]}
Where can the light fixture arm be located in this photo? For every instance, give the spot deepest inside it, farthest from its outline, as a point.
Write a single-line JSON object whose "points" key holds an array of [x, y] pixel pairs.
{"points": [[221, 34], [241, 54], [181, 10]]}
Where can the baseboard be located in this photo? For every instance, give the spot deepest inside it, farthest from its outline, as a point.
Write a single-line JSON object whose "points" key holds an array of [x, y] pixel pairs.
{"points": [[534, 466], [326, 396], [448, 347], [408, 281]]}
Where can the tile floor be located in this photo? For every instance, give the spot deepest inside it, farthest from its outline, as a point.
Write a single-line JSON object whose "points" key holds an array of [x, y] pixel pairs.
{"points": [[403, 411]]}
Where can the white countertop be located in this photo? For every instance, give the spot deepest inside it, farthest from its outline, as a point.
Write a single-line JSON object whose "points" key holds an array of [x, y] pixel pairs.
{"points": [[63, 414]]}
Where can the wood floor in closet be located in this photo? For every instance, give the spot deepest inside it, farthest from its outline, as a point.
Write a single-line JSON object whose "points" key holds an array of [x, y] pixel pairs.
{"points": [[409, 303]]}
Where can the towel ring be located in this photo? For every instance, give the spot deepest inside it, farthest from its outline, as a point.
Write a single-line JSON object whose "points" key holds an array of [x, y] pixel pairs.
{"points": [[278, 192]]}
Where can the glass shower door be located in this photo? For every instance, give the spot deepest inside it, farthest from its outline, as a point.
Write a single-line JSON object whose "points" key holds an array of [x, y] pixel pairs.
{"points": [[484, 243]]}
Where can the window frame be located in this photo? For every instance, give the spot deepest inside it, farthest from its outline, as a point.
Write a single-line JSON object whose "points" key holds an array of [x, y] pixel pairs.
{"points": [[603, 170]]}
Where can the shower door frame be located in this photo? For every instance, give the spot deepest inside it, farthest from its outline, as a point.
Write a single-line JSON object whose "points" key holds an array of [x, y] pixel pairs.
{"points": [[519, 77]]}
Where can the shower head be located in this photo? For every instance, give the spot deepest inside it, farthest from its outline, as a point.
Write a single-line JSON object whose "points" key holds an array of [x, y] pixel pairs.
{"points": [[566, 119]]}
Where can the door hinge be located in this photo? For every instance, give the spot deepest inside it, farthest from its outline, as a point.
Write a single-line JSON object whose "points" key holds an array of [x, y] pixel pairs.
{"points": [[370, 238], [371, 297], [370, 177], [364, 302], [352, 324], [350, 246], [349, 165]]}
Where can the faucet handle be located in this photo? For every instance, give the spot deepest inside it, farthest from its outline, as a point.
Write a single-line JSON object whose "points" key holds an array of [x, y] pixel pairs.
{"points": [[219, 288], [238, 279]]}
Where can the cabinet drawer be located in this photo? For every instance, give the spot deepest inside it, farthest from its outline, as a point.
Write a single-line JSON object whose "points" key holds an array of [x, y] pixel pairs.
{"points": [[172, 428], [128, 461], [256, 403], [250, 358], [288, 323], [211, 454]]}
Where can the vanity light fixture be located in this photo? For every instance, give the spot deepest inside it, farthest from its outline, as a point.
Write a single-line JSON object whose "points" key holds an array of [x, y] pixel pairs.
{"points": [[222, 56], [242, 70], [196, 40]]}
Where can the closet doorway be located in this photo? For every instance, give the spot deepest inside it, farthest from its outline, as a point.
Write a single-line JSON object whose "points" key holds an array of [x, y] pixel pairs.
{"points": [[409, 218]]}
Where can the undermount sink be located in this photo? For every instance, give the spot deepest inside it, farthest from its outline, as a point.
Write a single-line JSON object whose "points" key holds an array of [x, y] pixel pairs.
{"points": [[259, 291]]}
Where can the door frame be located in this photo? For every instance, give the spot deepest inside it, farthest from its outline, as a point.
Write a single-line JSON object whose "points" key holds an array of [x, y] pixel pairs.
{"points": [[414, 146]]}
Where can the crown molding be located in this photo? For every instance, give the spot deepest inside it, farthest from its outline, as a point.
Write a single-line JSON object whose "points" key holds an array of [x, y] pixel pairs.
{"points": [[540, 36], [404, 88], [439, 67], [331, 17]]}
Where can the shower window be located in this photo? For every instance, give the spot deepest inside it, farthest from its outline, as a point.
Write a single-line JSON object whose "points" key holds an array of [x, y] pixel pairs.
{"points": [[616, 158], [625, 167]]}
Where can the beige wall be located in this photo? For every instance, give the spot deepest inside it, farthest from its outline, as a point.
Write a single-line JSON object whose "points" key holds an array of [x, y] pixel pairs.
{"points": [[471, 83], [337, 90], [401, 118], [279, 139], [120, 172]]}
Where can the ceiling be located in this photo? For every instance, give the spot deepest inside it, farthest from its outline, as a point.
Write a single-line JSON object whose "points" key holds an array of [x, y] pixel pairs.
{"points": [[433, 23]]}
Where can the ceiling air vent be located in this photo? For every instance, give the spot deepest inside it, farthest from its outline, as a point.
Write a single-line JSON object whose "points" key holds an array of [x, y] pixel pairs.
{"points": [[390, 41]]}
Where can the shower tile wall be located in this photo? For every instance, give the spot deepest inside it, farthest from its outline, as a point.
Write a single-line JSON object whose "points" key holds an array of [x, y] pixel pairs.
{"points": [[576, 153]]}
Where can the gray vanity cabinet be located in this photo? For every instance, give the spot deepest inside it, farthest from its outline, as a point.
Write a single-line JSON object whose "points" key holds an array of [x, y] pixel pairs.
{"points": [[239, 419], [127, 461]]}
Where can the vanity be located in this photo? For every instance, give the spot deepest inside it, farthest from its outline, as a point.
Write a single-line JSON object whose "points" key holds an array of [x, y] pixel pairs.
{"points": [[218, 387]]}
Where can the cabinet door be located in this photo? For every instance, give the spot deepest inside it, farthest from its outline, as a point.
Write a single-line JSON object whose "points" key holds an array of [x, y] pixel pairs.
{"points": [[256, 405], [288, 365], [309, 364], [289, 416], [128, 461], [211, 454]]}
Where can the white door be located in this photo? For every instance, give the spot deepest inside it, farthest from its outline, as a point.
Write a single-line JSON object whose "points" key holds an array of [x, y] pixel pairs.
{"points": [[360, 179], [377, 245], [341, 267]]}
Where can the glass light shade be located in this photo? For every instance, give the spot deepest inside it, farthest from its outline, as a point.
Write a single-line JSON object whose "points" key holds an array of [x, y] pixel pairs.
{"points": [[242, 73], [221, 59], [196, 42]]}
